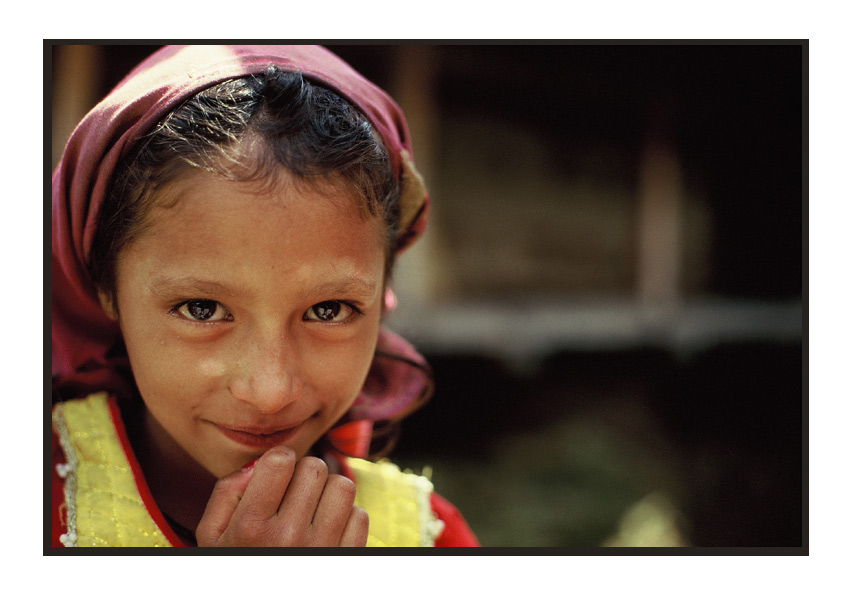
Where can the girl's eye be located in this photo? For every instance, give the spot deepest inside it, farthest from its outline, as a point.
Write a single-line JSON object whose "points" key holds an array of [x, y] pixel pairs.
{"points": [[209, 311], [331, 311]]}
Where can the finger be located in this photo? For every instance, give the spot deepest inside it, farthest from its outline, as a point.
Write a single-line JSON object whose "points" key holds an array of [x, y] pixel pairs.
{"points": [[356, 531], [225, 497], [302, 497], [267, 487], [334, 510]]}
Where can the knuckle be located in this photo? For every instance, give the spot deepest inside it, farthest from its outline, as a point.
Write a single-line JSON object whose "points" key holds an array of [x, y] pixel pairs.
{"points": [[247, 532], [204, 535], [312, 464], [342, 486], [223, 484], [250, 516], [289, 534], [359, 516], [279, 457], [358, 527]]}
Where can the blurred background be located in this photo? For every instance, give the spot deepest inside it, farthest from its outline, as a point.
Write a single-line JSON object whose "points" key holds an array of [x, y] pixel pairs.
{"points": [[611, 287]]}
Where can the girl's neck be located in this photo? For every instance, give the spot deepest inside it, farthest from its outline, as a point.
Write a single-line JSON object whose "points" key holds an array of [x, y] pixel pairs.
{"points": [[179, 485]]}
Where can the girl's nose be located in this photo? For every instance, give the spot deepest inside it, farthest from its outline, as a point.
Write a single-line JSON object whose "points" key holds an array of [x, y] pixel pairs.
{"points": [[266, 375]]}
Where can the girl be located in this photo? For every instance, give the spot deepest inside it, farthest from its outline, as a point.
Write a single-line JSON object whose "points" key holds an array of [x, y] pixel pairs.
{"points": [[224, 225]]}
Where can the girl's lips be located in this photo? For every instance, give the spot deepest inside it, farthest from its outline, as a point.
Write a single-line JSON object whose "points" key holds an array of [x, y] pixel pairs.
{"points": [[255, 439]]}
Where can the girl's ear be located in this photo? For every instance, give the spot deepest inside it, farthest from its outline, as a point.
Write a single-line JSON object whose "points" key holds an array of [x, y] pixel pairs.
{"points": [[390, 300], [108, 305]]}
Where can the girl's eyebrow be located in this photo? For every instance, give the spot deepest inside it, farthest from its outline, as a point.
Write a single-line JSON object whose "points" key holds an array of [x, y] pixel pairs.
{"points": [[164, 285], [348, 285]]}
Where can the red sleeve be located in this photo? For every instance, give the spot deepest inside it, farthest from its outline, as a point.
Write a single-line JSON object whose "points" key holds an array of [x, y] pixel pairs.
{"points": [[57, 495], [456, 533]]}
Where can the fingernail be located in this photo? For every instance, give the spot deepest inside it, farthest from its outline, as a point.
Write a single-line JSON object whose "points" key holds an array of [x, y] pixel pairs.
{"points": [[250, 465]]}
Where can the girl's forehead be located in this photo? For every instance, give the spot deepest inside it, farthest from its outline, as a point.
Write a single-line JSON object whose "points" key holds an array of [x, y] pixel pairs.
{"points": [[275, 188], [208, 222]]}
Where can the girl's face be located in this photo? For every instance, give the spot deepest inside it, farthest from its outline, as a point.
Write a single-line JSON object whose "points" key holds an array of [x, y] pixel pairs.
{"points": [[250, 317]]}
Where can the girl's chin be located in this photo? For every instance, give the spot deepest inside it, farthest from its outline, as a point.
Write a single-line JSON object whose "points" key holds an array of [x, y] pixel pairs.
{"points": [[229, 464]]}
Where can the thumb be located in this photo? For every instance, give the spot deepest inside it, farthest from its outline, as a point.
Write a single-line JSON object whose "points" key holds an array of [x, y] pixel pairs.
{"points": [[222, 504]]}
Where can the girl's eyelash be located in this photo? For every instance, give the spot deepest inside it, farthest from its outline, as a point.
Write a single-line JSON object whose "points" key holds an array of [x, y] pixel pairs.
{"points": [[348, 303], [353, 306], [208, 312], [205, 312]]}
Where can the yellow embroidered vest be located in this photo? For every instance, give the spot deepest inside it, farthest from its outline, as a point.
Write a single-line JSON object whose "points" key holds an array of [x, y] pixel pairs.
{"points": [[104, 507]]}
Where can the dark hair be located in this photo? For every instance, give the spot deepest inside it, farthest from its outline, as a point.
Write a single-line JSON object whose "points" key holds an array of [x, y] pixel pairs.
{"points": [[246, 129]]}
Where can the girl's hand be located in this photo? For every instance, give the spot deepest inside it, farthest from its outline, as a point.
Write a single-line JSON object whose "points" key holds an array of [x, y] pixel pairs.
{"points": [[281, 502]]}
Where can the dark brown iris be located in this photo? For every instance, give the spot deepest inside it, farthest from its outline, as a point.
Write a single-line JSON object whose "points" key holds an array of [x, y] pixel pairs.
{"points": [[201, 309]]}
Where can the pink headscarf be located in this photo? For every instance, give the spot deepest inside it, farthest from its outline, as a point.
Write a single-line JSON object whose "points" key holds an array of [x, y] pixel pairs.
{"points": [[85, 340]]}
